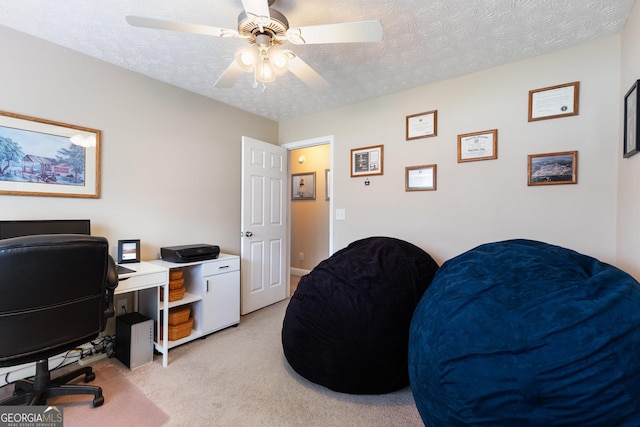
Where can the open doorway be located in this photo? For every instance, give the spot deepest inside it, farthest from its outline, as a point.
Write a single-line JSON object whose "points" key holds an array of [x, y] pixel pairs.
{"points": [[310, 219]]}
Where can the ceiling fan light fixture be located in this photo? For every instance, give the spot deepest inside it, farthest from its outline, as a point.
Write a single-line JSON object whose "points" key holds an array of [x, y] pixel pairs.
{"points": [[278, 60], [264, 72], [247, 58]]}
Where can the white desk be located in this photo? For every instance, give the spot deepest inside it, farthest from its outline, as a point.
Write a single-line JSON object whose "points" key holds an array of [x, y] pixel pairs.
{"points": [[212, 291], [146, 275]]}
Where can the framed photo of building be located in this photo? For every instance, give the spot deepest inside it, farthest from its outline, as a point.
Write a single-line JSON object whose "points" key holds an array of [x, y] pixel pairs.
{"points": [[303, 186], [47, 158], [553, 168], [631, 110], [367, 161]]}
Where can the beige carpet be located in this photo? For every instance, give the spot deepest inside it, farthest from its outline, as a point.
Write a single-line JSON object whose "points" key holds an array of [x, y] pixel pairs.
{"points": [[234, 378], [239, 377], [124, 404]]}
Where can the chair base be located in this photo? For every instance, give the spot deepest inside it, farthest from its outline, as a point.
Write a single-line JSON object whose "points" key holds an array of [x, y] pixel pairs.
{"points": [[37, 390]]}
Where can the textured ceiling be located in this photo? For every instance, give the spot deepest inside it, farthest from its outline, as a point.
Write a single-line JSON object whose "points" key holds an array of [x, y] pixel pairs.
{"points": [[424, 41]]}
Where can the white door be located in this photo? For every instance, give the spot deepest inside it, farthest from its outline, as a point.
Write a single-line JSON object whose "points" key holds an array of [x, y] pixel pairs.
{"points": [[264, 224]]}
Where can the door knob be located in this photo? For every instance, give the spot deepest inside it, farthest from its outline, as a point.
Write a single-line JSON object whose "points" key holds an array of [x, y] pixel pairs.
{"points": [[248, 234]]}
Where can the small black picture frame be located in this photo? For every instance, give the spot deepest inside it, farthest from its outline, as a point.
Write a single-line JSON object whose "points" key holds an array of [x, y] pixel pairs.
{"points": [[128, 251], [631, 143]]}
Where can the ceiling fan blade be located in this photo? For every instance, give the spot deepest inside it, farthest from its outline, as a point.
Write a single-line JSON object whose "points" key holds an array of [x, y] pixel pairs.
{"points": [[230, 76], [258, 10], [346, 32], [305, 73], [161, 24]]}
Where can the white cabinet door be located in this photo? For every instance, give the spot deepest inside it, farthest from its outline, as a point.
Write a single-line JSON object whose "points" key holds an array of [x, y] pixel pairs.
{"points": [[220, 302]]}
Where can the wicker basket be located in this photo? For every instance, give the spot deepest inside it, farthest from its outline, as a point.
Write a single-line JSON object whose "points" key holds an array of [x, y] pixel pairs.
{"points": [[179, 315], [175, 294], [181, 330], [176, 283], [175, 273]]}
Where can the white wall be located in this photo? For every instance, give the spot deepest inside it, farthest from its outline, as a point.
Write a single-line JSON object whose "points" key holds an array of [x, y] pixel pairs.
{"points": [[170, 158], [483, 201], [628, 226]]}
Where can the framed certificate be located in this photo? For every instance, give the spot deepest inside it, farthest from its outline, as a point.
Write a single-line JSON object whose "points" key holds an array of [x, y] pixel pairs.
{"points": [[478, 146], [420, 178], [554, 102], [422, 125], [631, 109]]}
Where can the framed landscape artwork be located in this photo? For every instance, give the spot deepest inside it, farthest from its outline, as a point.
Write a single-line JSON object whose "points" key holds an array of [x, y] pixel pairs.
{"points": [[41, 157]]}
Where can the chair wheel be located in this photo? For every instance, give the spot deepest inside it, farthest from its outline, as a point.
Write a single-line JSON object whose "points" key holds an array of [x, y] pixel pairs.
{"points": [[98, 401], [89, 377]]}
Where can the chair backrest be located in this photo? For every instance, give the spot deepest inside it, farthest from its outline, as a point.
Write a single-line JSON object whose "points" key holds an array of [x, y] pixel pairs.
{"points": [[55, 294]]}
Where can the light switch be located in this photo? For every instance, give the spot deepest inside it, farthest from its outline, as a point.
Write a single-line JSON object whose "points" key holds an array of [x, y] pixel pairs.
{"points": [[341, 214]]}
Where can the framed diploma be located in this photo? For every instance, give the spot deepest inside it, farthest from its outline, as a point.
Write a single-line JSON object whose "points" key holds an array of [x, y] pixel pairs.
{"points": [[420, 178], [422, 125], [553, 168], [554, 102], [367, 161], [631, 109], [478, 146]]}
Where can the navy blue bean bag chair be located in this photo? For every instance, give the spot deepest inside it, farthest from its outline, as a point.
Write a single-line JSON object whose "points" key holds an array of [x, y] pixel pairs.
{"points": [[523, 333], [347, 324]]}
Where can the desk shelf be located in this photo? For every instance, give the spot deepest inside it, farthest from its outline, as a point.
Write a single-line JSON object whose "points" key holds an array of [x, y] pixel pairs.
{"points": [[187, 299], [212, 289]]}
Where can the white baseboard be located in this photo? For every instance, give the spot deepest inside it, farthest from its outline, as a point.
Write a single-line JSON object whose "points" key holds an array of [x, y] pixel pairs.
{"points": [[299, 271]]}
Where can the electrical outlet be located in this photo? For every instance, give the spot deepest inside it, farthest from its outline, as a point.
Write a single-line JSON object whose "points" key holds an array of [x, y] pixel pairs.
{"points": [[121, 307], [301, 256]]}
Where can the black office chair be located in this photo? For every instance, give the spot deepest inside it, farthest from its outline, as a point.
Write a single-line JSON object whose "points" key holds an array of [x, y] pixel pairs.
{"points": [[56, 293]]}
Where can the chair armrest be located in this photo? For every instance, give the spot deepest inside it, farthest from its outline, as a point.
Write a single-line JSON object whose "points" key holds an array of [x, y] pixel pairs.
{"points": [[112, 274], [111, 284]]}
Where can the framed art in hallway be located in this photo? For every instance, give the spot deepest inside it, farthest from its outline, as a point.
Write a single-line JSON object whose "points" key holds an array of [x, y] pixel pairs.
{"points": [[553, 168], [327, 184], [367, 161], [631, 143], [554, 102], [47, 158], [303, 186]]}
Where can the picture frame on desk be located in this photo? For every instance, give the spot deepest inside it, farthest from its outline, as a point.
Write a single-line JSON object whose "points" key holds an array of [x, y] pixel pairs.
{"points": [[128, 251]]}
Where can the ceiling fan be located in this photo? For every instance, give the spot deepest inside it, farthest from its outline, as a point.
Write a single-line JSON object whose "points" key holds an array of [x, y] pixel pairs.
{"points": [[266, 29]]}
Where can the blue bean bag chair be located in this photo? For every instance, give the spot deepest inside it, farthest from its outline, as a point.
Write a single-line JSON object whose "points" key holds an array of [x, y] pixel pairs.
{"points": [[347, 324], [523, 333]]}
